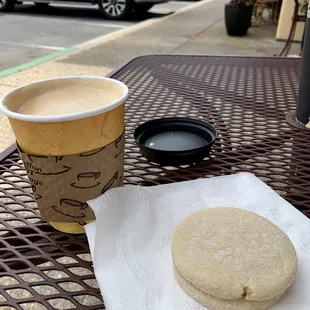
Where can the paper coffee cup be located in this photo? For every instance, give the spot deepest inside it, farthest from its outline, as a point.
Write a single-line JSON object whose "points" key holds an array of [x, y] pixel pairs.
{"points": [[87, 143]]}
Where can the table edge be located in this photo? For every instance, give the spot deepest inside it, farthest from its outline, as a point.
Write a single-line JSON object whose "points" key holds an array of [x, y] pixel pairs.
{"points": [[126, 63], [7, 152]]}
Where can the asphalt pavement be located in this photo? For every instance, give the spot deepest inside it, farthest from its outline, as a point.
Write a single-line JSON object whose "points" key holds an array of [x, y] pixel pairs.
{"points": [[31, 32]]}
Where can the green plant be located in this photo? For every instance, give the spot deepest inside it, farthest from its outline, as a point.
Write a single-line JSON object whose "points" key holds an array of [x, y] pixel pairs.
{"points": [[303, 7], [241, 3]]}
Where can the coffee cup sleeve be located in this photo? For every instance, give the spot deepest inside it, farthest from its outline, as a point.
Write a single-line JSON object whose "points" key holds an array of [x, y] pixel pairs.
{"points": [[62, 185]]}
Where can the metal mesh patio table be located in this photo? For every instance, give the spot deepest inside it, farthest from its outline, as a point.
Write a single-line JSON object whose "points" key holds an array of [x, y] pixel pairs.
{"points": [[246, 98]]}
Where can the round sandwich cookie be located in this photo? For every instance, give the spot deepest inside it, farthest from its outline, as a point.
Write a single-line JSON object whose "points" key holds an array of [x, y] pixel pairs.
{"points": [[222, 304], [233, 254]]}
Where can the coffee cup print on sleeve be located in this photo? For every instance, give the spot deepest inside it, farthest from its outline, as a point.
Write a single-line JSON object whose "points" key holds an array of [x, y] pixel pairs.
{"points": [[71, 208], [54, 166], [87, 180]]}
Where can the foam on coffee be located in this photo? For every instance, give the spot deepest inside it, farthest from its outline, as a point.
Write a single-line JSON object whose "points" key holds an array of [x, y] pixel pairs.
{"points": [[64, 97]]}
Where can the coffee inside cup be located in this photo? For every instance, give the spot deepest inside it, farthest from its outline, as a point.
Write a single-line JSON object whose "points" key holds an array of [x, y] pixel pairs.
{"points": [[63, 96]]}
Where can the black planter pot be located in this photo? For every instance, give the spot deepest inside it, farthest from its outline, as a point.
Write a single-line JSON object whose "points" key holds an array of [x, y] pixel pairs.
{"points": [[238, 20]]}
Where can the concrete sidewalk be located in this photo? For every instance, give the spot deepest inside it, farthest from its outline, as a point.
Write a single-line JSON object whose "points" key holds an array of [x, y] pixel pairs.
{"points": [[198, 29]]}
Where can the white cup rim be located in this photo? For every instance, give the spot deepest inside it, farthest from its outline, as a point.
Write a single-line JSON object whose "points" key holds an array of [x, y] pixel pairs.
{"points": [[63, 117]]}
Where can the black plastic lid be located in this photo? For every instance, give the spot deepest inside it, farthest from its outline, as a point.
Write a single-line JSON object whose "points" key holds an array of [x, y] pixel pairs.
{"points": [[175, 141]]}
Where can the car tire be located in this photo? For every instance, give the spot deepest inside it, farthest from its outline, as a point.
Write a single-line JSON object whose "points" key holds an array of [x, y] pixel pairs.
{"points": [[115, 9], [142, 8], [7, 5]]}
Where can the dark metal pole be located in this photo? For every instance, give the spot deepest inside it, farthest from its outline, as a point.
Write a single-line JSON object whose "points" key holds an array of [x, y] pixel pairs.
{"points": [[303, 105]]}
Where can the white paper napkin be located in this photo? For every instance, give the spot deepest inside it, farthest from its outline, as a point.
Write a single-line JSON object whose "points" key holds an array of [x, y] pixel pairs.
{"points": [[130, 240]]}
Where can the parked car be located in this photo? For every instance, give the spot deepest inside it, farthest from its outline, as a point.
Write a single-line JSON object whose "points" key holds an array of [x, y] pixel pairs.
{"points": [[112, 9]]}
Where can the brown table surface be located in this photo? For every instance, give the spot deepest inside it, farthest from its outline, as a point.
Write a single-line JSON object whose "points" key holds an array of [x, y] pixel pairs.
{"points": [[245, 98]]}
